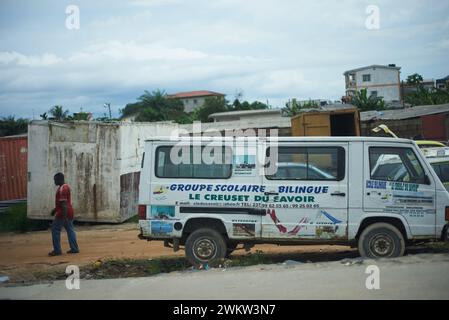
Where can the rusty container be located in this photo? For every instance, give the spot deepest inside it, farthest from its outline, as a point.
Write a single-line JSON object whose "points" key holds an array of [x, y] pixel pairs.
{"points": [[13, 167]]}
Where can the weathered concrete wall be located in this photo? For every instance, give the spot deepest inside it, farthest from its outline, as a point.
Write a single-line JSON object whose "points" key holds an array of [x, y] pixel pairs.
{"points": [[101, 162], [132, 142], [88, 155]]}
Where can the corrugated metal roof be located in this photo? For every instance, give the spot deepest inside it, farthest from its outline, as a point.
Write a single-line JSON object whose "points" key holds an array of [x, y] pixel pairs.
{"points": [[401, 114], [329, 107]]}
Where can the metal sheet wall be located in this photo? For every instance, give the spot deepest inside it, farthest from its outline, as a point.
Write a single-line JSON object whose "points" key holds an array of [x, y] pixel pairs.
{"points": [[13, 167]]}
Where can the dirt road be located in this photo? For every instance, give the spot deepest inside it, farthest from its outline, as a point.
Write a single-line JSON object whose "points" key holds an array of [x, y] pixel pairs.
{"points": [[21, 253]]}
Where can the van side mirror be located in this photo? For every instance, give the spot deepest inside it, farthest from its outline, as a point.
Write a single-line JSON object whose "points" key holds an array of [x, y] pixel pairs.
{"points": [[426, 179]]}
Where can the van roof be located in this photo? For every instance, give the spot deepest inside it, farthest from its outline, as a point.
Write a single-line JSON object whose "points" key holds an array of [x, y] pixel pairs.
{"points": [[285, 139]]}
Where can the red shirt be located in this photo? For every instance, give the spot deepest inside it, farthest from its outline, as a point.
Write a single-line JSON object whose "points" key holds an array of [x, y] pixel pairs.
{"points": [[63, 194]]}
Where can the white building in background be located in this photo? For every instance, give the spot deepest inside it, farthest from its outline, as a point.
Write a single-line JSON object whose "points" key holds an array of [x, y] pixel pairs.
{"points": [[378, 80], [194, 99]]}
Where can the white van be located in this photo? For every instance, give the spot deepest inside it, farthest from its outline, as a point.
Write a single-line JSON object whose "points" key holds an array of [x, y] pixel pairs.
{"points": [[211, 194]]}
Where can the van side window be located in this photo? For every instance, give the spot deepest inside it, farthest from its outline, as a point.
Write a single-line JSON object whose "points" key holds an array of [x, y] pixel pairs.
{"points": [[210, 164], [442, 171], [395, 164], [309, 163]]}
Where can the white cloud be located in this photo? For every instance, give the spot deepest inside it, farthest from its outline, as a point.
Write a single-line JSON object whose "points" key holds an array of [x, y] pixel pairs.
{"points": [[270, 50], [44, 60]]}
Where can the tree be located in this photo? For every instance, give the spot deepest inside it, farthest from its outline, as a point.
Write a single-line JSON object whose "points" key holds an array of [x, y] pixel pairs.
{"points": [[10, 126], [427, 96], [58, 113], [211, 105], [156, 106], [84, 116], [424, 96], [131, 108], [294, 107], [365, 103], [310, 105], [291, 108], [414, 79], [245, 105]]}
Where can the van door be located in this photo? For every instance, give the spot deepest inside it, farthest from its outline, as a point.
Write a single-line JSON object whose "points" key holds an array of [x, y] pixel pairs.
{"points": [[306, 191], [396, 182]]}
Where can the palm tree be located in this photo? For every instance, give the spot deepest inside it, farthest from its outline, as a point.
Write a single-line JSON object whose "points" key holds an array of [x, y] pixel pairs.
{"points": [[58, 113], [365, 103]]}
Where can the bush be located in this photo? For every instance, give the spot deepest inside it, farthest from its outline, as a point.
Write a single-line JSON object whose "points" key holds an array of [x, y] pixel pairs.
{"points": [[15, 220]]}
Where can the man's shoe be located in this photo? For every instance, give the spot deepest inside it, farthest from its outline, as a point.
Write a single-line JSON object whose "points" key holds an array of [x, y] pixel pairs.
{"points": [[72, 251], [54, 253]]}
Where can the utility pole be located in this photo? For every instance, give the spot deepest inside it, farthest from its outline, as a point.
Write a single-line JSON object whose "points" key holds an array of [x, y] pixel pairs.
{"points": [[108, 105]]}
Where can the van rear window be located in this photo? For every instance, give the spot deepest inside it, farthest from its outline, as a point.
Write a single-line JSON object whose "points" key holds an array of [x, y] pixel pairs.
{"points": [[194, 162], [309, 163]]}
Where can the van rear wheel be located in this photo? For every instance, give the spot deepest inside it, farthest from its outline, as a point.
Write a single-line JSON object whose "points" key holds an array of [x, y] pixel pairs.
{"points": [[205, 246], [381, 240]]}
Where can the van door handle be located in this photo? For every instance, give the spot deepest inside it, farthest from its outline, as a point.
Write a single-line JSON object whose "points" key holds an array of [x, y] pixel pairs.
{"points": [[271, 193], [338, 194]]}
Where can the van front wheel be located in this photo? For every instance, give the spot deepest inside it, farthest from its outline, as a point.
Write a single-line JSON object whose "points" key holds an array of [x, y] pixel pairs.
{"points": [[381, 240], [205, 246]]}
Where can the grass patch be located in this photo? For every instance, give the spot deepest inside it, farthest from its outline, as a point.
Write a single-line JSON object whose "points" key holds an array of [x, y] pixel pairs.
{"points": [[134, 219], [124, 268], [15, 220], [250, 259], [438, 246]]}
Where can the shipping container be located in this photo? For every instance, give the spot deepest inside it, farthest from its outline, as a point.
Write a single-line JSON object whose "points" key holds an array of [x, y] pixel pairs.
{"points": [[101, 163], [13, 167], [435, 126], [340, 122]]}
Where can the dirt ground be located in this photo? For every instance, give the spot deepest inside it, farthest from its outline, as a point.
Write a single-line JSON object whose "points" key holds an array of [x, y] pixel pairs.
{"points": [[23, 253]]}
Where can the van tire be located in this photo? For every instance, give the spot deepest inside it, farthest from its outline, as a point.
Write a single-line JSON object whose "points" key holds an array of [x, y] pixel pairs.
{"points": [[446, 234], [204, 246], [381, 240]]}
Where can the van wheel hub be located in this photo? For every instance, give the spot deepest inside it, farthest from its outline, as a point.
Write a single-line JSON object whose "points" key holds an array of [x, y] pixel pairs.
{"points": [[382, 245], [204, 249]]}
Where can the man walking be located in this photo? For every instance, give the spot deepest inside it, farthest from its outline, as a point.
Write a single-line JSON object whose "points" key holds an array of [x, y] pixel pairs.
{"points": [[64, 217]]}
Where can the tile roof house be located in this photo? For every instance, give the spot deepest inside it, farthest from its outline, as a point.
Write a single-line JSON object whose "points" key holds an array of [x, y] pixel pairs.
{"points": [[194, 99]]}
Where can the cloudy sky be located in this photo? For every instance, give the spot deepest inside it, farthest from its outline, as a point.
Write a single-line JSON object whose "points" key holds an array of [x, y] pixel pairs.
{"points": [[269, 50]]}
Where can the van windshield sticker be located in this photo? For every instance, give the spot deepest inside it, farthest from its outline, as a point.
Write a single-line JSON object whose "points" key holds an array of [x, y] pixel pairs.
{"points": [[397, 186], [244, 165]]}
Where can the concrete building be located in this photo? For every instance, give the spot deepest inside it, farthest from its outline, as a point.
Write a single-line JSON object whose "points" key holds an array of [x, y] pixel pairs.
{"points": [[194, 99], [246, 115], [442, 83], [378, 80]]}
